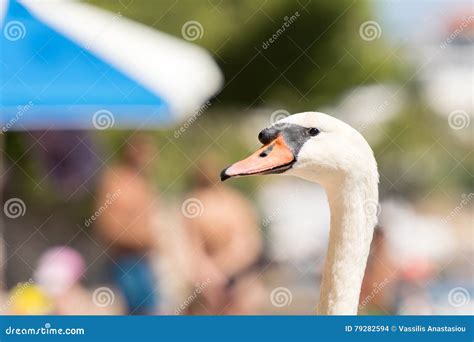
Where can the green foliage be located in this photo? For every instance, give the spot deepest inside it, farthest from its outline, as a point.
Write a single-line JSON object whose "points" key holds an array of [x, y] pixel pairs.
{"points": [[315, 56], [421, 155], [310, 63]]}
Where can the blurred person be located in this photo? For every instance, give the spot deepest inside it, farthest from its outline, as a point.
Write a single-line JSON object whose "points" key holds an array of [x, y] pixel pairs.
{"points": [[380, 278], [125, 210], [226, 246]]}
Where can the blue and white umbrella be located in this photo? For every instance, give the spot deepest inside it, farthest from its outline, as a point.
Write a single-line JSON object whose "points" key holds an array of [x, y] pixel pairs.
{"points": [[65, 64]]}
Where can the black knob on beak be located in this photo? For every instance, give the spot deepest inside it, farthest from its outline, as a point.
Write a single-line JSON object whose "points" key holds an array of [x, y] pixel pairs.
{"points": [[268, 135]]}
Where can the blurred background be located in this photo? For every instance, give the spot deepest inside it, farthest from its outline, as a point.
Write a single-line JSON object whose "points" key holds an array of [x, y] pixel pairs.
{"points": [[136, 221]]}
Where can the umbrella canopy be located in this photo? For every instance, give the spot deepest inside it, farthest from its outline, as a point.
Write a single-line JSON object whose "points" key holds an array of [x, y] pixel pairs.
{"points": [[65, 64]]}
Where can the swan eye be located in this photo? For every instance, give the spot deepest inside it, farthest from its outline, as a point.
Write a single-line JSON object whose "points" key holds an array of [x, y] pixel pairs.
{"points": [[313, 131]]}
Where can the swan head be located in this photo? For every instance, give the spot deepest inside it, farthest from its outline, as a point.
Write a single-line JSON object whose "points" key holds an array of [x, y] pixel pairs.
{"points": [[311, 145]]}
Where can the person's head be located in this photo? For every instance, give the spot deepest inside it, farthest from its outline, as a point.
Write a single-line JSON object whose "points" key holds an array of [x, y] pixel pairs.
{"points": [[139, 151]]}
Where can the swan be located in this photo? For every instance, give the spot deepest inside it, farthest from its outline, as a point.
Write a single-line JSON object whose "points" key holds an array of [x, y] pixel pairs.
{"points": [[322, 149]]}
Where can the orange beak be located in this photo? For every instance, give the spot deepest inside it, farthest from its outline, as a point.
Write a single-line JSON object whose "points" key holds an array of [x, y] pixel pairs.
{"points": [[274, 157]]}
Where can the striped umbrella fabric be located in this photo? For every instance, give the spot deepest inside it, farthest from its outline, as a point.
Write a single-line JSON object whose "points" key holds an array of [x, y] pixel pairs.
{"points": [[70, 65]]}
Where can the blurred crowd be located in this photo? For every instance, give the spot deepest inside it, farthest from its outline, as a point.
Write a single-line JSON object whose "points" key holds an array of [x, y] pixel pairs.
{"points": [[219, 253], [216, 251], [207, 247]]}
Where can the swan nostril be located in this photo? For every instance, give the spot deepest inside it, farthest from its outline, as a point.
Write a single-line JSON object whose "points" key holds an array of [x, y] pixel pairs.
{"points": [[267, 151]]}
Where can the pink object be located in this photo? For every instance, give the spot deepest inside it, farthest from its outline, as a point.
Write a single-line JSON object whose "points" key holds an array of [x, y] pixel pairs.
{"points": [[418, 270], [58, 269]]}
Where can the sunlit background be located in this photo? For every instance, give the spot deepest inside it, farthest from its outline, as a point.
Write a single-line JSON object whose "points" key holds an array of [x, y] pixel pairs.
{"points": [[182, 242]]}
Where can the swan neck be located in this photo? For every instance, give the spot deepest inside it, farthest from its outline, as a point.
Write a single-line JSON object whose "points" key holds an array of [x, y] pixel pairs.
{"points": [[349, 244]]}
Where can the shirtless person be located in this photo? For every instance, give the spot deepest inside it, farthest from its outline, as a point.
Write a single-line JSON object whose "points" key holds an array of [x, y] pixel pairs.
{"points": [[127, 203], [227, 246]]}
